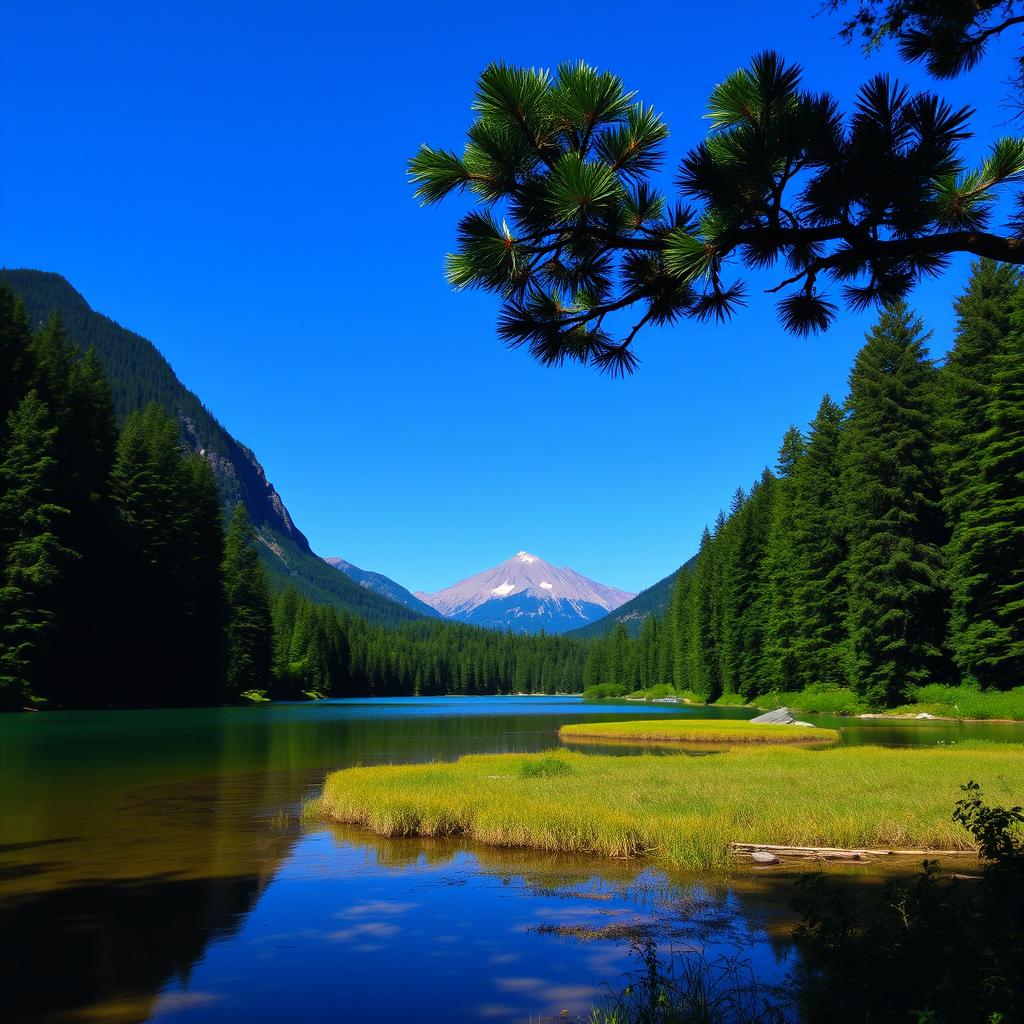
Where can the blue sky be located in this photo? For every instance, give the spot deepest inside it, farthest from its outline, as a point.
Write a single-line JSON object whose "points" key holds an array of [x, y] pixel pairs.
{"points": [[229, 180]]}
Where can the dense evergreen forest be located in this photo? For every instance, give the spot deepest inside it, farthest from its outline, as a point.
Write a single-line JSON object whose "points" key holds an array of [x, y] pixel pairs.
{"points": [[119, 584], [887, 548]]}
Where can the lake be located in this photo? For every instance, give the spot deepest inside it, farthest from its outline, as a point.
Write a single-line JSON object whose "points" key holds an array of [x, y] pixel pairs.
{"points": [[152, 867]]}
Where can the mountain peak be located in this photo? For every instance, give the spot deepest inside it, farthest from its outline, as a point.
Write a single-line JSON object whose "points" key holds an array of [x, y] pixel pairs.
{"points": [[527, 594]]}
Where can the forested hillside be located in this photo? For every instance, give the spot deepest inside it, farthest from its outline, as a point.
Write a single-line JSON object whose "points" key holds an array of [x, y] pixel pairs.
{"points": [[886, 550], [653, 601], [138, 374], [120, 586]]}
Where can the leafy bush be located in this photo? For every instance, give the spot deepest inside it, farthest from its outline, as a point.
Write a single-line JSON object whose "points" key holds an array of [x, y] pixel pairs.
{"points": [[604, 691], [932, 950]]}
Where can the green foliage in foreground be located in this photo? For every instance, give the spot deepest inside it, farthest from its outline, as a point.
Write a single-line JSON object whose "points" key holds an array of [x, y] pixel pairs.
{"points": [[569, 225], [681, 811], [697, 731], [929, 950]]}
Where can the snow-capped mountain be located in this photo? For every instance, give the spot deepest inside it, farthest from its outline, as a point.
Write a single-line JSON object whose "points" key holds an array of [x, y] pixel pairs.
{"points": [[526, 594]]}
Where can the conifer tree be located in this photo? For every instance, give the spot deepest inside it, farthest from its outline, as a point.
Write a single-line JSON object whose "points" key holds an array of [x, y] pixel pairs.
{"points": [[31, 554], [621, 659], [595, 668], [780, 665], [983, 456], [568, 224], [897, 613], [751, 589], [678, 632], [648, 648], [818, 530], [171, 538], [704, 676], [250, 625], [85, 599], [1002, 525], [15, 358]]}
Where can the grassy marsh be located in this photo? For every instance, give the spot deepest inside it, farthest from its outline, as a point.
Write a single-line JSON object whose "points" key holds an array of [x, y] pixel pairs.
{"points": [[697, 731], [680, 811]]}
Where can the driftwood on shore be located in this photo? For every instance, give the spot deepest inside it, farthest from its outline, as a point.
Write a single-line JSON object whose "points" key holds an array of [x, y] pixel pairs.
{"points": [[761, 852]]}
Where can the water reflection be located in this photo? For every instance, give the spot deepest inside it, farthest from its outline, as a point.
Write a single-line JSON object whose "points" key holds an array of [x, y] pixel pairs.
{"points": [[151, 867], [403, 929]]}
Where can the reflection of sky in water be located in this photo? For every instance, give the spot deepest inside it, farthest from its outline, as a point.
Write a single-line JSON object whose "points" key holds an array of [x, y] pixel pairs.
{"points": [[345, 932]]}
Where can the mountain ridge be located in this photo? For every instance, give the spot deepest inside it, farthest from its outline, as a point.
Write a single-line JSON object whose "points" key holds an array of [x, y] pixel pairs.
{"points": [[383, 585]]}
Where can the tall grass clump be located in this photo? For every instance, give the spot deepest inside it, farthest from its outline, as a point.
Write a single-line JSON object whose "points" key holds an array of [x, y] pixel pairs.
{"points": [[682, 811], [688, 988], [544, 767]]}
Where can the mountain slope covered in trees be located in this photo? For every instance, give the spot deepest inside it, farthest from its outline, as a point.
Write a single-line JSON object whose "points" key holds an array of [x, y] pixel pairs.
{"points": [[652, 601], [138, 374]]}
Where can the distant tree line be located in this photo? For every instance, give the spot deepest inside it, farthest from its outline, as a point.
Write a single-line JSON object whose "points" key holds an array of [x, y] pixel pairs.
{"points": [[121, 584], [886, 550], [340, 654]]}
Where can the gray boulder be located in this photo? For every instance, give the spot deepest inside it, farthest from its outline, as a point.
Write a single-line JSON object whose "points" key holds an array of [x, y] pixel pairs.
{"points": [[780, 716]]}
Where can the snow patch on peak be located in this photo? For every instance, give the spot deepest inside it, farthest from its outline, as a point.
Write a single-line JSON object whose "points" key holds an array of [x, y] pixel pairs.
{"points": [[546, 585], [525, 558], [504, 590]]}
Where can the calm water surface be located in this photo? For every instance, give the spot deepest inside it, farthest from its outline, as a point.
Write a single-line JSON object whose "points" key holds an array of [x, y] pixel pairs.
{"points": [[152, 868]]}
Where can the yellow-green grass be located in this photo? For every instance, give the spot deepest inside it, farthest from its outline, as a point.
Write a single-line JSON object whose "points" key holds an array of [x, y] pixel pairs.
{"points": [[696, 731], [682, 811]]}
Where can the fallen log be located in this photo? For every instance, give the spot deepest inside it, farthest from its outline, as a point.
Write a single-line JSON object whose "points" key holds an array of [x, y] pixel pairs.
{"points": [[835, 853]]}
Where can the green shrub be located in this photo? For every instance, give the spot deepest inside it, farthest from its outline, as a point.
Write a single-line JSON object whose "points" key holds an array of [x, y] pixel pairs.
{"points": [[604, 691], [965, 702], [816, 700]]}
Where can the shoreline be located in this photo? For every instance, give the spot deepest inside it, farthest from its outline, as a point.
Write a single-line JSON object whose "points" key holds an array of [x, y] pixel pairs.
{"points": [[635, 702]]}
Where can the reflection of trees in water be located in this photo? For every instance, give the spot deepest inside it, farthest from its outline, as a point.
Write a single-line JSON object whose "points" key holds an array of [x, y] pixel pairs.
{"points": [[105, 949], [191, 862]]}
